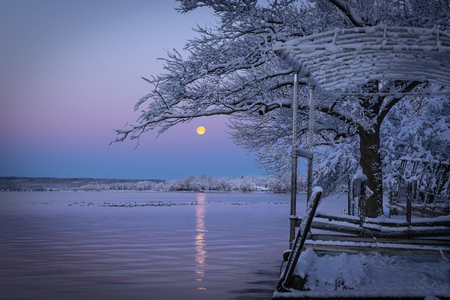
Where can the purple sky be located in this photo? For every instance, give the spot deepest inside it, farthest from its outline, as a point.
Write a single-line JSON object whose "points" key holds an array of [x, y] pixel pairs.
{"points": [[70, 71]]}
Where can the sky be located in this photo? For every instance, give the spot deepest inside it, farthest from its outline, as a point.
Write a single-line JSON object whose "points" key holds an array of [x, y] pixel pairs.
{"points": [[70, 73]]}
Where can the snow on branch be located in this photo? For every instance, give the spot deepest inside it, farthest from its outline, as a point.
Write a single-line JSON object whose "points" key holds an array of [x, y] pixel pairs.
{"points": [[350, 12]]}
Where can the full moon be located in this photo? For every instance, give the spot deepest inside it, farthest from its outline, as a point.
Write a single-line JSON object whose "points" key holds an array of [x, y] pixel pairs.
{"points": [[201, 130]]}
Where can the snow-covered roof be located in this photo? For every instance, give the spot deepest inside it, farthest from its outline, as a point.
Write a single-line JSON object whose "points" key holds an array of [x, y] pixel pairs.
{"points": [[345, 59]]}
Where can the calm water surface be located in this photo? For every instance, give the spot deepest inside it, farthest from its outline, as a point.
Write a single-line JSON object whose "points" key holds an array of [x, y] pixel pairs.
{"points": [[136, 245]]}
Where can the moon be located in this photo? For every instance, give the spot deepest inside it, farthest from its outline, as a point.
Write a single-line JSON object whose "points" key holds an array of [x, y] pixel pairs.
{"points": [[201, 130]]}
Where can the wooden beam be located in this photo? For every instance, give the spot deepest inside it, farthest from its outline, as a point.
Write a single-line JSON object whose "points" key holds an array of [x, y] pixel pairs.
{"points": [[383, 248], [381, 231], [439, 221], [353, 238]]}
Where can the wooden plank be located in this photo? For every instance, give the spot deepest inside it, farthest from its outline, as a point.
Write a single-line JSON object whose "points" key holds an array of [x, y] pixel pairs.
{"points": [[422, 211], [389, 246], [385, 249], [307, 295], [354, 238], [394, 223], [381, 231]]}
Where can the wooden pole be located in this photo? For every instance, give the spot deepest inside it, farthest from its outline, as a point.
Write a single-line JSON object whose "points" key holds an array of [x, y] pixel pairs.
{"points": [[311, 141], [408, 202], [349, 197], [294, 163], [362, 205]]}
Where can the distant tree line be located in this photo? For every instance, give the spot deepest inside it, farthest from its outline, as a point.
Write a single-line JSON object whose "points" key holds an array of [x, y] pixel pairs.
{"points": [[205, 183], [44, 184]]}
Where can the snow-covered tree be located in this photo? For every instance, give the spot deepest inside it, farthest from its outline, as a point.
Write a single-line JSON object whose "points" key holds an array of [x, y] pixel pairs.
{"points": [[417, 128], [232, 70]]}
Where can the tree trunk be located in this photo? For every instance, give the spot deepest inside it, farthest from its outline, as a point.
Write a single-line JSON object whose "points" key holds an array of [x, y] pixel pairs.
{"points": [[371, 166]]}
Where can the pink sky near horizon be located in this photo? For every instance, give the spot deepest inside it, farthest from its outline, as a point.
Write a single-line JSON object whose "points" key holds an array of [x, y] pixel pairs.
{"points": [[71, 72]]}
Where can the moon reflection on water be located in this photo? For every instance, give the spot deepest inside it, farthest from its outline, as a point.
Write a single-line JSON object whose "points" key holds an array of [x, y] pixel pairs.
{"points": [[200, 240]]}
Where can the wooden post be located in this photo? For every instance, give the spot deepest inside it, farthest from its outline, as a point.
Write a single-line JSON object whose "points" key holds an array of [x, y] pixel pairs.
{"points": [[311, 141], [294, 163], [309, 184], [349, 198], [408, 203]]}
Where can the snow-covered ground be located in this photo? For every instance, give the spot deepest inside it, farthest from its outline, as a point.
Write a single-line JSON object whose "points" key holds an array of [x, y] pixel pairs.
{"points": [[344, 275], [376, 275]]}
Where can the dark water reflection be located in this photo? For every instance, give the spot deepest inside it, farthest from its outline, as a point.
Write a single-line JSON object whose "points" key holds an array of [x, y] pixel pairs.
{"points": [[202, 246]]}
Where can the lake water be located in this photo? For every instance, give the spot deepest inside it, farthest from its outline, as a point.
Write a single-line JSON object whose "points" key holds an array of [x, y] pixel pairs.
{"points": [[137, 245]]}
